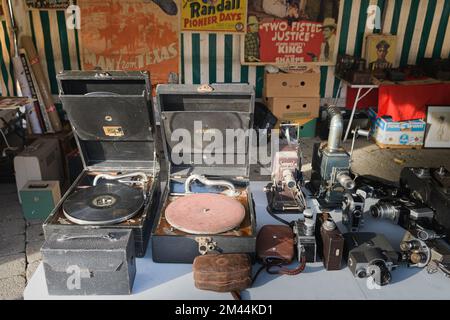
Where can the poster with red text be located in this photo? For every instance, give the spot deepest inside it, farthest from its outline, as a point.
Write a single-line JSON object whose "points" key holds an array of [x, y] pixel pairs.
{"points": [[290, 32]]}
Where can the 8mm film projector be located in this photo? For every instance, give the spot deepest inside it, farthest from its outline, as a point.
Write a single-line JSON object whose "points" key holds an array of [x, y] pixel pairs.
{"points": [[207, 205], [112, 118]]}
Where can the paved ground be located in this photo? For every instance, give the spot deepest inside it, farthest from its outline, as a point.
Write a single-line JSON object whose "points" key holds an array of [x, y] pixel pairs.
{"points": [[20, 241]]}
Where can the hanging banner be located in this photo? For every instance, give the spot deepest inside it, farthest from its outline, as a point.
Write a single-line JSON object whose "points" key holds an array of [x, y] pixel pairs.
{"points": [[131, 35], [214, 15], [290, 32]]}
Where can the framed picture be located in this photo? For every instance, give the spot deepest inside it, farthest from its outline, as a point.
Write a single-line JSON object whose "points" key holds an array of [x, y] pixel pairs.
{"points": [[291, 32], [438, 127], [381, 51]]}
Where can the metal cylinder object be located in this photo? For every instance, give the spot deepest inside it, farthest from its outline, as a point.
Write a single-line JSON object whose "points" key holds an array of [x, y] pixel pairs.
{"points": [[121, 176], [309, 226], [336, 129], [329, 225], [418, 257], [384, 211], [410, 245], [231, 188], [346, 181]]}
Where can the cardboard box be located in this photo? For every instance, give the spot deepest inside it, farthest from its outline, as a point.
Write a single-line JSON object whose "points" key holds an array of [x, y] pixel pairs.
{"points": [[293, 108], [292, 85], [391, 133]]}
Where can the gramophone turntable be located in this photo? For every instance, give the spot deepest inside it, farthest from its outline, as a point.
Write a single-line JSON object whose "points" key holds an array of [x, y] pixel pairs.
{"points": [[112, 119], [207, 206]]}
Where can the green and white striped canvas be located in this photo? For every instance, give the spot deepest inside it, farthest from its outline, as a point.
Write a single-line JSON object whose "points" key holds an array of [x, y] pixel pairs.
{"points": [[7, 81], [58, 47], [422, 26]]}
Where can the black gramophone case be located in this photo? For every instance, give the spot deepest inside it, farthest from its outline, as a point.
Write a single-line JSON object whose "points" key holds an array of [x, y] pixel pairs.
{"points": [[218, 107], [112, 118]]}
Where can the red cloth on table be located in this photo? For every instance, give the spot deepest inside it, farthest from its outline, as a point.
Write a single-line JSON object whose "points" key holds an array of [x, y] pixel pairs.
{"points": [[407, 102], [369, 101]]}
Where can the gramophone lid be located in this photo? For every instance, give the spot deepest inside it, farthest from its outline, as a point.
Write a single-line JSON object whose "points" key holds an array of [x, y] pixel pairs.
{"points": [[207, 111], [112, 116]]}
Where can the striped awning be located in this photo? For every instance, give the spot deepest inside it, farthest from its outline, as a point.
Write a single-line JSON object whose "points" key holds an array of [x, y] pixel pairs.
{"points": [[422, 26]]}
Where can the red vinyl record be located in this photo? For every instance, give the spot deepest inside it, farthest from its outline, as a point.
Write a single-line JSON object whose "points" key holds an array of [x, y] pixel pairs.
{"points": [[205, 213]]}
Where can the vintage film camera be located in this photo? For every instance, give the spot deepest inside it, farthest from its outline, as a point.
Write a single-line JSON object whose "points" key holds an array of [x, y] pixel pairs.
{"points": [[415, 252], [431, 188], [353, 211], [330, 242], [304, 230], [370, 255], [284, 193]]}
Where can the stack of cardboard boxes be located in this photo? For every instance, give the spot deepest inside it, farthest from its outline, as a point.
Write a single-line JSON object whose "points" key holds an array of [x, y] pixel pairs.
{"points": [[294, 98]]}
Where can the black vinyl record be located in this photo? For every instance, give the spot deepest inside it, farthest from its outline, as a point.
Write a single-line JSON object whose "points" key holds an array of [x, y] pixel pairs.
{"points": [[108, 203]]}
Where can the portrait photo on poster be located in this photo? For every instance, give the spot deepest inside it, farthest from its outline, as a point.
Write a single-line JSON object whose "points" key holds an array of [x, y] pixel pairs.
{"points": [[291, 32], [381, 50], [438, 127]]}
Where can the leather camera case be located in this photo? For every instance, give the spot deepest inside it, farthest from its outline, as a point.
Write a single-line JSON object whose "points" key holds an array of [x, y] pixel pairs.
{"points": [[275, 242], [223, 272]]}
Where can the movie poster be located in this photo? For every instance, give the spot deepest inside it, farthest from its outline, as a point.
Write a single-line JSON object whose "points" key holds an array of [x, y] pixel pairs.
{"points": [[49, 4], [131, 35], [214, 15], [290, 32]]}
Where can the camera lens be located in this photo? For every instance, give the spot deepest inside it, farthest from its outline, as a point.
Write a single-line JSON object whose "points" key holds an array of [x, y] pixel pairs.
{"points": [[357, 214], [380, 273], [361, 273], [375, 211]]}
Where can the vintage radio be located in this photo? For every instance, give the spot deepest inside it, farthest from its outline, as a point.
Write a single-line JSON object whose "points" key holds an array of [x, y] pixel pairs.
{"points": [[112, 118], [207, 206]]}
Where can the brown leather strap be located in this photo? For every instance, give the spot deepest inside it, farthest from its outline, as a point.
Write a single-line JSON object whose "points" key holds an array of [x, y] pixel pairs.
{"points": [[283, 270], [298, 270], [236, 295]]}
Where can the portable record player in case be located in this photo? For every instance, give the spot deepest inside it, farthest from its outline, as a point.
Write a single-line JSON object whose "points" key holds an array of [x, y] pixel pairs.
{"points": [[112, 118], [206, 206]]}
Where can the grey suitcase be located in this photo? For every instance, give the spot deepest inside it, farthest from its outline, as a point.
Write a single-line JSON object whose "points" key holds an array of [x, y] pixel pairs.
{"points": [[90, 262]]}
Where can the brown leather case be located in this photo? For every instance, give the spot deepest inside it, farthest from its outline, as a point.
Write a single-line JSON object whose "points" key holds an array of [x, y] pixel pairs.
{"points": [[223, 272], [275, 242]]}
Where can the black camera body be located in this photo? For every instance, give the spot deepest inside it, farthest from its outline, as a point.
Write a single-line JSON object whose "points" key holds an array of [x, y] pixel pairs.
{"points": [[370, 255], [430, 187], [352, 211]]}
